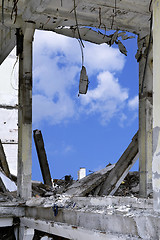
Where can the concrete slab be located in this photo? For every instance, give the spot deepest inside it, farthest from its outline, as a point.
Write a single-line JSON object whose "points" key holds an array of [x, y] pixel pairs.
{"points": [[132, 217]]}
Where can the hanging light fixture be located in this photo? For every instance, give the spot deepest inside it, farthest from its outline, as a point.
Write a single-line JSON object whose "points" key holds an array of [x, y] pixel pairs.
{"points": [[83, 83]]}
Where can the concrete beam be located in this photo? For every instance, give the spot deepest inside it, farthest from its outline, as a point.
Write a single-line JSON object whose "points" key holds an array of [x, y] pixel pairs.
{"points": [[145, 114], [156, 106], [2, 186], [71, 231], [42, 157], [6, 221], [12, 211], [130, 16], [88, 183], [129, 218], [25, 113], [3, 161], [122, 167], [25, 233], [125, 173], [34, 7]]}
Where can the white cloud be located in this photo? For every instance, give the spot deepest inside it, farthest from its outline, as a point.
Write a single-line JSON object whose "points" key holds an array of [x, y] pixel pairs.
{"points": [[57, 64], [54, 113], [107, 99], [122, 119], [102, 58], [133, 103]]}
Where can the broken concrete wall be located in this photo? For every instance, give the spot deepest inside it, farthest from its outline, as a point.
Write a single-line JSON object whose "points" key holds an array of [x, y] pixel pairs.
{"points": [[9, 110]]}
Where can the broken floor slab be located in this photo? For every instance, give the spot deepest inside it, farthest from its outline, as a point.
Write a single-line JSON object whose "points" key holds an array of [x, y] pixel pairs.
{"points": [[88, 183], [87, 217], [133, 218]]}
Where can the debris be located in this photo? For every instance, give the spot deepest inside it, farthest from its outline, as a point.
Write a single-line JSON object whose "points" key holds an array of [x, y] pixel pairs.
{"points": [[40, 189], [121, 168], [125, 37], [130, 185], [122, 48], [88, 183], [97, 37], [114, 37]]}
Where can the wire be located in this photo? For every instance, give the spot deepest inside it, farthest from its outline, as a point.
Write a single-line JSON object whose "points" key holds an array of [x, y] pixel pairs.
{"points": [[150, 5], [115, 8], [14, 10], [115, 13], [81, 47], [12, 74], [79, 36], [3, 12], [75, 14], [149, 44], [100, 18]]}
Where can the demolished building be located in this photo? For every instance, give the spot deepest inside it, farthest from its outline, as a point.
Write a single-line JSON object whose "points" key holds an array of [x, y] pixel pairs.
{"points": [[86, 208]]}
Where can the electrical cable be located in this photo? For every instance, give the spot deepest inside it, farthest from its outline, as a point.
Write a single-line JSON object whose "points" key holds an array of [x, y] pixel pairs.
{"points": [[12, 73], [81, 47], [150, 5], [3, 12], [14, 9], [115, 13], [79, 36], [115, 8], [75, 14]]}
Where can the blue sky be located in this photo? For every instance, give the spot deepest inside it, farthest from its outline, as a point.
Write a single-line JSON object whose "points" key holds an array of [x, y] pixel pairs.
{"points": [[94, 129]]}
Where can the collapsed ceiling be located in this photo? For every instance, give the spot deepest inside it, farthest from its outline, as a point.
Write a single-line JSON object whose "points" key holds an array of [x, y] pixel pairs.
{"points": [[66, 17]]}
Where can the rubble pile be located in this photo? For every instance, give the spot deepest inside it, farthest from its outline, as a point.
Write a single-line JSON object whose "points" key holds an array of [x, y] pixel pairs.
{"points": [[130, 185], [88, 186]]}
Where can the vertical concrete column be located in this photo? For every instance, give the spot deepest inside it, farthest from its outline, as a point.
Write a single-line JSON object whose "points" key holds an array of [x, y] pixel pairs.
{"points": [[156, 106], [145, 115], [25, 112], [26, 233]]}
